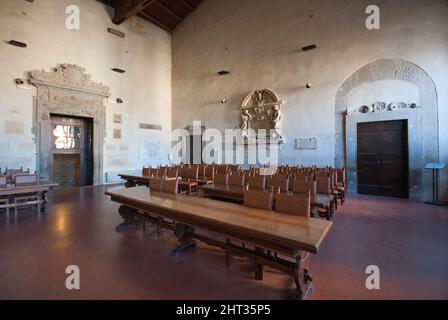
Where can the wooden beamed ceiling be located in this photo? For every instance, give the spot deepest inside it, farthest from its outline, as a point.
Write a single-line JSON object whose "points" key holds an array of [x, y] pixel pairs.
{"points": [[167, 14]]}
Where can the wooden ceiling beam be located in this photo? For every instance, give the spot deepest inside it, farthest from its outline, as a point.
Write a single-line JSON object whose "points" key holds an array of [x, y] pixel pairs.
{"points": [[187, 5], [126, 9], [169, 11], [156, 22]]}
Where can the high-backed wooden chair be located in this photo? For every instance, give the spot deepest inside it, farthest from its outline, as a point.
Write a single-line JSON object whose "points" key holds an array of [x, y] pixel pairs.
{"points": [[222, 168], [156, 184], [236, 180], [281, 181], [258, 199], [146, 172], [221, 179], [3, 182], [206, 175], [324, 197], [209, 172], [184, 173], [172, 173], [257, 183], [301, 186], [295, 204], [234, 169], [190, 182], [340, 183]]}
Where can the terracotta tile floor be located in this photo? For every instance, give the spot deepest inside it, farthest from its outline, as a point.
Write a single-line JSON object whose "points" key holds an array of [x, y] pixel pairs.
{"points": [[407, 240]]}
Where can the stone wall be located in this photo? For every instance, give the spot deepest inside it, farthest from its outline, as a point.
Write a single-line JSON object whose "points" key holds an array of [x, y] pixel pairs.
{"points": [[260, 41], [145, 88]]}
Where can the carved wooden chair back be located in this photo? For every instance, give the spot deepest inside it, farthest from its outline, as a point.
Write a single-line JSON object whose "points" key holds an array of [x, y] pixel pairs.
{"points": [[156, 184], [296, 204], [258, 199], [222, 169], [3, 181], [323, 184], [184, 172], [236, 180], [146, 172], [279, 180], [210, 172], [193, 174], [25, 180], [170, 186], [257, 183], [301, 186], [221, 178], [172, 173]]}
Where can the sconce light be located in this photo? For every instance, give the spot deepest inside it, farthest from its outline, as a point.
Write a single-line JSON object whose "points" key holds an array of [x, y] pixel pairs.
{"points": [[21, 84], [308, 85], [223, 72], [224, 101], [115, 100]]}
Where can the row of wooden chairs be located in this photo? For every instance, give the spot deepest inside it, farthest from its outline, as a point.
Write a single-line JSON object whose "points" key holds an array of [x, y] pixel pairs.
{"points": [[298, 204]]}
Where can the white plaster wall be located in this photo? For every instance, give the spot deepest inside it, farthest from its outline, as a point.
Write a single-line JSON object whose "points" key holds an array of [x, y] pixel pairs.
{"points": [[145, 54], [260, 42]]}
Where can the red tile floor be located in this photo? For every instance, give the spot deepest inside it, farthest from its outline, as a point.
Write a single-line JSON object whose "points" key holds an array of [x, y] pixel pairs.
{"points": [[407, 240]]}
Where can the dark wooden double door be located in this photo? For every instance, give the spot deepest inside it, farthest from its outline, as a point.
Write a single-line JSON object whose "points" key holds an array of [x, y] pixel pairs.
{"points": [[383, 160]]}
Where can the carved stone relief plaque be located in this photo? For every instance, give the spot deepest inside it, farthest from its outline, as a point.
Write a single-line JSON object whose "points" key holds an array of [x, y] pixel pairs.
{"points": [[261, 117]]}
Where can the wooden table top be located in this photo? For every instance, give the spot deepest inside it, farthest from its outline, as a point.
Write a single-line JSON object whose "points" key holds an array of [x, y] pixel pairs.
{"points": [[285, 230], [134, 176], [40, 186], [239, 190]]}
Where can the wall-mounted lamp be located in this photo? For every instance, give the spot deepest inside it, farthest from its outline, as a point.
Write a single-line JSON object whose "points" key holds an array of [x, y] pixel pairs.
{"points": [[224, 101], [21, 84], [115, 100], [223, 72], [308, 85]]}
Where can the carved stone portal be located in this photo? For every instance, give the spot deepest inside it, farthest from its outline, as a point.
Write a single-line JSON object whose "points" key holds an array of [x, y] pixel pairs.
{"points": [[260, 119], [67, 90]]}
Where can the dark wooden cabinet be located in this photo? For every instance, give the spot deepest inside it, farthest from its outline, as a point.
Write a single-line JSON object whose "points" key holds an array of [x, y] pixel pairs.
{"points": [[383, 164]]}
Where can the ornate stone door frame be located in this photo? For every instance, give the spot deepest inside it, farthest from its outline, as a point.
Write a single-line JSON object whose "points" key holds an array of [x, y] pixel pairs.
{"points": [[67, 90], [422, 116]]}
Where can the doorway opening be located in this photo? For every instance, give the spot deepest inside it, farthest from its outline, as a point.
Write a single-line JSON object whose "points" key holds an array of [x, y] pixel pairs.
{"points": [[71, 160], [383, 159]]}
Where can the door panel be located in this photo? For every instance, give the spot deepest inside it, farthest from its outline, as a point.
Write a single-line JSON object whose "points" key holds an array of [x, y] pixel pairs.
{"points": [[383, 159]]}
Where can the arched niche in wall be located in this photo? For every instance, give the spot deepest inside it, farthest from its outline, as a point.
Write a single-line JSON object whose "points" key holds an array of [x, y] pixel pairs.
{"points": [[68, 90], [422, 117]]}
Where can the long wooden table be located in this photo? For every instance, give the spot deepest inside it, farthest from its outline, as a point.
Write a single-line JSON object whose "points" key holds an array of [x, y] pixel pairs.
{"points": [[40, 189], [135, 180], [267, 231]]}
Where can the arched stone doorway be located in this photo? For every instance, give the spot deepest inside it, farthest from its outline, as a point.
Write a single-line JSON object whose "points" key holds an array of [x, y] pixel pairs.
{"points": [[422, 118]]}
